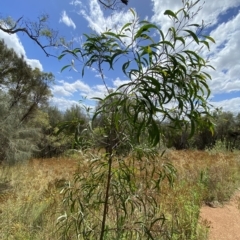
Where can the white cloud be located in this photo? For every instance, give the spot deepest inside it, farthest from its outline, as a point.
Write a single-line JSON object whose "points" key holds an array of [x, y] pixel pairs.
{"points": [[225, 57], [13, 41], [231, 105], [61, 91], [78, 88], [118, 82], [67, 20], [76, 3], [100, 23], [62, 103], [67, 89], [210, 12]]}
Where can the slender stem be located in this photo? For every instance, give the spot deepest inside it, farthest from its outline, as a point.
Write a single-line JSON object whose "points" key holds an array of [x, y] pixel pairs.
{"points": [[107, 194]]}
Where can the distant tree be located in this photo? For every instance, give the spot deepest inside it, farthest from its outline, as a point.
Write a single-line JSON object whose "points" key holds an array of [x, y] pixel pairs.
{"points": [[51, 144], [23, 91], [74, 112], [54, 114], [204, 138], [175, 138], [29, 88], [18, 141], [73, 126]]}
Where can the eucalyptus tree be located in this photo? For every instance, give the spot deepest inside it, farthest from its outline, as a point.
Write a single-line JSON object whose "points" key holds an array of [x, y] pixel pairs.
{"points": [[29, 88], [167, 79], [23, 91]]}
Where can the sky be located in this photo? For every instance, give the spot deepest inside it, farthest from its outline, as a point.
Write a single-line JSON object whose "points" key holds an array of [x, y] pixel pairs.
{"points": [[73, 18]]}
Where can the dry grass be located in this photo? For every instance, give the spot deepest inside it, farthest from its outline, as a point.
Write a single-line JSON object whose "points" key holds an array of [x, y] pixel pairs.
{"points": [[29, 209], [30, 200]]}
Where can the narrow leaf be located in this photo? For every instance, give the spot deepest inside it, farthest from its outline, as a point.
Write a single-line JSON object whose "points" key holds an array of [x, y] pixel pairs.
{"points": [[67, 66], [194, 36], [209, 38], [170, 13]]}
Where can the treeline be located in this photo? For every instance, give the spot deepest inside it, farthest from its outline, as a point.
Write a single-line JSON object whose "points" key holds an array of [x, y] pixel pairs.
{"points": [[30, 127], [226, 132]]}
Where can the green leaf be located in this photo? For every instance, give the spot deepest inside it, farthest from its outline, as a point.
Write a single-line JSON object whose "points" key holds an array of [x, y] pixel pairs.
{"points": [[193, 25], [209, 38], [61, 56], [194, 36], [133, 12], [206, 44], [181, 39], [125, 66], [162, 35], [119, 52], [170, 13], [144, 28], [167, 43], [67, 66], [125, 26]]}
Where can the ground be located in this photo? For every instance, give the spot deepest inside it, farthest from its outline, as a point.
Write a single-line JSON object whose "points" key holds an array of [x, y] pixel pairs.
{"points": [[224, 221]]}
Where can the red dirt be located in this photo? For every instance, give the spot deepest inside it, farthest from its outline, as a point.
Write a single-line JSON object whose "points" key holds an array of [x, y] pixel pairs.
{"points": [[224, 220]]}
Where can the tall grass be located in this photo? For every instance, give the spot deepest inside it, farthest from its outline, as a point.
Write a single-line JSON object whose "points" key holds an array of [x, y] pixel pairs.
{"points": [[31, 203]]}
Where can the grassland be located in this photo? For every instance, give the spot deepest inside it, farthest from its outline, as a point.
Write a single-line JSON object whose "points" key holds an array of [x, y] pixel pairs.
{"points": [[31, 196]]}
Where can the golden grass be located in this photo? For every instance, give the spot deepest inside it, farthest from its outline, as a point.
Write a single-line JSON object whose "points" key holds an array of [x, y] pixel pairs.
{"points": [[30, 207], [31, 210]]}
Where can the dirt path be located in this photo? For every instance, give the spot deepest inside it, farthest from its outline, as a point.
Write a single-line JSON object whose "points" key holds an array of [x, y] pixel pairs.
{"points": [[224, 220]]}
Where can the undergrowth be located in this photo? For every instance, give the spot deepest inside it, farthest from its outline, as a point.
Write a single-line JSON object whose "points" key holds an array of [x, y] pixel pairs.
{"points": [[31, 197]]}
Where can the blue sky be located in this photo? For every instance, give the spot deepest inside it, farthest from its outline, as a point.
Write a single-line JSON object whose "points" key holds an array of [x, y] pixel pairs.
{"points": [[75, 17]]}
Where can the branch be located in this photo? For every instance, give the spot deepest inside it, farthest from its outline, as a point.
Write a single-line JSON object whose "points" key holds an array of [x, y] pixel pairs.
{"points": [[111, 4], [34, 30]]}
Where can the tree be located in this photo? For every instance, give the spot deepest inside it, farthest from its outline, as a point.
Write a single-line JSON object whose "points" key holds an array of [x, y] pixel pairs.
{"points": [[23, 91], [162, 69], [50, 144], [18, 141], [39, 31], [74, 124], [28, 88]]}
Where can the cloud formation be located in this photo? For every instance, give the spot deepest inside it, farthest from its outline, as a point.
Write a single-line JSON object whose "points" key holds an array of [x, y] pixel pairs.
{"points": [[13, 41], [67, 20], [224, 55], [78, 88], [96, 19]]}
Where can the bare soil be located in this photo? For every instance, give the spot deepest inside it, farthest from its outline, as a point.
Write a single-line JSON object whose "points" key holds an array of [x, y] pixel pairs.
{"points": [[224, 221]]}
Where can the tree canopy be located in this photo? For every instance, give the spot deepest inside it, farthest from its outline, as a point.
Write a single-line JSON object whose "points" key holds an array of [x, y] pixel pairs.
{"points": [[23, 91]]}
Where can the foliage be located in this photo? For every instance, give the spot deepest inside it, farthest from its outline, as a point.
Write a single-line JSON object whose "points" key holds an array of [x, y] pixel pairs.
{"points": [[38, 31], [226, 134], [161, 70], [57, 137], [22, 91], [166, 81], [32, 203], [133, 208]]}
